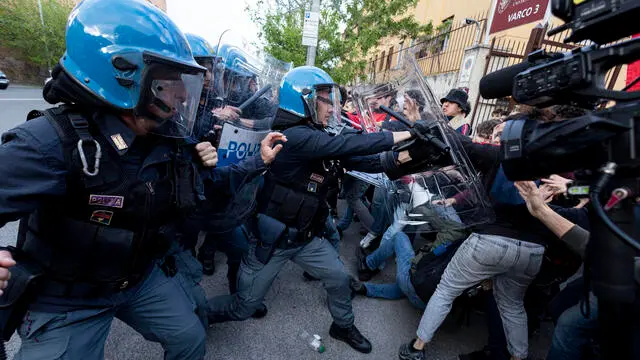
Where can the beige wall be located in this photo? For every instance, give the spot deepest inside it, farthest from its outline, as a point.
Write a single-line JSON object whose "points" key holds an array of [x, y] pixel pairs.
{"points": [[162, 4], [438, 10]]}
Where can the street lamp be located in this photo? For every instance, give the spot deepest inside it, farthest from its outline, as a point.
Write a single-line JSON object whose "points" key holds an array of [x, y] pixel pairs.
{"points": [[46, 46], [470, 21], [219, 41]]}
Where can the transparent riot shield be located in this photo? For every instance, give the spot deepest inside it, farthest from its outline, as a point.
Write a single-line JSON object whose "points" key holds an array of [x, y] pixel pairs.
{"points": [[443, 195], [246, 81]]}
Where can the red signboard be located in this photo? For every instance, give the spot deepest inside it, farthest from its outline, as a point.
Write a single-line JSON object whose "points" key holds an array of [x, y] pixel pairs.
{"points": [[633, 71], [512, 13]]}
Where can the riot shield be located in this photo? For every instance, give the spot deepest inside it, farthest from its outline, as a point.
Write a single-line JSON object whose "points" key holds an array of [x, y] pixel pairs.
{"points": [[246, 82], [439, 196]]}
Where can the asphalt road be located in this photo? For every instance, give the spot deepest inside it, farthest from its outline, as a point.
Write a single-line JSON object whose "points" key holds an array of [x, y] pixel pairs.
{"points": [[294, 304]]}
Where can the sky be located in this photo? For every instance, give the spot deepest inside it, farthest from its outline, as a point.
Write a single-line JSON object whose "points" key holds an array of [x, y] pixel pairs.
{"points": [[209, 18]]}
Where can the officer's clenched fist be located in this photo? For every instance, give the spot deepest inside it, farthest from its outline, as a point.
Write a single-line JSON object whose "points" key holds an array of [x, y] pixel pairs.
{"points": [[6, 261], [268, 151], [207, 153]]}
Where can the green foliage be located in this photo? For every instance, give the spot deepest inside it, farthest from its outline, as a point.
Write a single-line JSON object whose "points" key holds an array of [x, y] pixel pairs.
{"points": [[434, 43], [22, 31], [349, 30]]}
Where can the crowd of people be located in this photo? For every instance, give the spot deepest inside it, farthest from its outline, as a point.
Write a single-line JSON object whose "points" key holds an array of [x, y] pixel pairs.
{"points": [[114, 187]]}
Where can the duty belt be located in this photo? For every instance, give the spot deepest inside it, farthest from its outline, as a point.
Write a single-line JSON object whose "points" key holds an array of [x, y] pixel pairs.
{"points": [[293, 238], [57, 288]]}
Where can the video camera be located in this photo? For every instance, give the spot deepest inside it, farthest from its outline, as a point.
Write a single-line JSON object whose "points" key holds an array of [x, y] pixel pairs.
{"points": [[531, 149], [601, 146]]}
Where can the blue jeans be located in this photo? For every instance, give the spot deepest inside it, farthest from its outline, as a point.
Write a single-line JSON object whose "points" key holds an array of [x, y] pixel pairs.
{"points": [[574, 332], [161, 309], [345, 220], [510, 263], [354, 189], [401, 246], [379, 211]]}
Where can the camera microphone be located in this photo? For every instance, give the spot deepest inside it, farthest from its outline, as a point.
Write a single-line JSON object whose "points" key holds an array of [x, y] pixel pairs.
{"points": [[499, 84]]}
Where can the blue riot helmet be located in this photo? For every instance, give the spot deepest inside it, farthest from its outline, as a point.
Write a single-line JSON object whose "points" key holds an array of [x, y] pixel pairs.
{"points": [[240, 72], [309, 92], [202, 51], [129, 57]]}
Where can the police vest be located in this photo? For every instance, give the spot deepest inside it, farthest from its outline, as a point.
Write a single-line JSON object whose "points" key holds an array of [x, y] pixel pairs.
{"points": [[299, 205], [107, 229]]}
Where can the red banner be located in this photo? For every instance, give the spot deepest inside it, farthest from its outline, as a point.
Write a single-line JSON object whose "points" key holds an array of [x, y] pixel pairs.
{"points": [[512, 13], [633, 71]]}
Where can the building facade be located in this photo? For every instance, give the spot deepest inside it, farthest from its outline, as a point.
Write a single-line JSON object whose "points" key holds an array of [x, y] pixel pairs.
{"points": [[488, 34]]}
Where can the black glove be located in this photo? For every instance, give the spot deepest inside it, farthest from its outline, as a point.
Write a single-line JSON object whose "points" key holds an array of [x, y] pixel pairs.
{"points": [[420, 128], [389, 161], [428, 132]]}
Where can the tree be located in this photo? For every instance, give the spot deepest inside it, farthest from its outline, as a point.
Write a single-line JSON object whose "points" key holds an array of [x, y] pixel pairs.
{"points": [[348, 30], [22, 31]]}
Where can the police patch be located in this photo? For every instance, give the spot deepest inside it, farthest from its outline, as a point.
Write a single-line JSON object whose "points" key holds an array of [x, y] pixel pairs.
{"points": [[119, 142], [102, 217], [317, 178], [312, 187], [107, 201]]}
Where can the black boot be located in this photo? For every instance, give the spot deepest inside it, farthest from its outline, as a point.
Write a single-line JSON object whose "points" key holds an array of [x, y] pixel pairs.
{"points": [[364, 272], [309, 277], [260, 312], [351, 336], [206, 259], [408, 352]]}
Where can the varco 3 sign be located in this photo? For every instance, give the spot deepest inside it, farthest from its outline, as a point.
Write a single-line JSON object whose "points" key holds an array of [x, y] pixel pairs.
{"points": [[511, 13]]}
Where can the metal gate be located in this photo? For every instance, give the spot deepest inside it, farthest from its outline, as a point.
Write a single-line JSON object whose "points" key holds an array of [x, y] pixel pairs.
{"points": [[504, 52]]}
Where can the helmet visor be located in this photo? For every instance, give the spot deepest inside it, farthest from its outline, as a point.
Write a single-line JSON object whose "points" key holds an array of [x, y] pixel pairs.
{"points": [[323, 102], [173, 103]]}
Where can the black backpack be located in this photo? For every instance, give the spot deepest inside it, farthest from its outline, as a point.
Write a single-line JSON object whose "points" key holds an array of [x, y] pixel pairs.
{"points": [[426, 273]]}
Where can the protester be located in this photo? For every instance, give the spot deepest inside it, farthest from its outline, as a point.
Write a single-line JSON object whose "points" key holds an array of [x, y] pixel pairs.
{"points": [[499, 114], [509, 251], [456, 107], [484, 132]]}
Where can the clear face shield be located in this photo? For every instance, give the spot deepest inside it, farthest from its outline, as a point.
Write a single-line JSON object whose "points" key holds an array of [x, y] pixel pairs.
{"points": [[169, 99], [440, 196], [406, 93], [240, 81], [323, 102]]}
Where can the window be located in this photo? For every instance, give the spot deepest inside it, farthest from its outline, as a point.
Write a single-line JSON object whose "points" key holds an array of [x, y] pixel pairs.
{"points": [[390, 58], [442, 40], [399, 58], [381, 61]]}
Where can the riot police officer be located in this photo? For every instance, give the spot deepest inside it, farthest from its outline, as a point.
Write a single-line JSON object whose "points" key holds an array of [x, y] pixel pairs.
{"points": [[99, 184], [292, 208], [220, 216]]}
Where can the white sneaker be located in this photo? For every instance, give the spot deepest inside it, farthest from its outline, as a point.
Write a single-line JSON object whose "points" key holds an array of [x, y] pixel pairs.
{"points": [[366, 241]]}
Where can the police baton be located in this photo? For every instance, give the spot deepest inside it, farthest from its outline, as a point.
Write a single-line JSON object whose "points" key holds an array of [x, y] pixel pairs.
{"points": [[254, 97], [428, 137], [352, 123]]}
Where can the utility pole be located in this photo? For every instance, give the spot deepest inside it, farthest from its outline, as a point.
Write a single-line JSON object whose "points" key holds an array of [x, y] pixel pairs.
{"points": [[46, 46], [310, 31]]}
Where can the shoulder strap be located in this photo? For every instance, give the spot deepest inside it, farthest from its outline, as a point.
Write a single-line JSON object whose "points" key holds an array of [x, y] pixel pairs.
{"points": [[77, 134]]}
